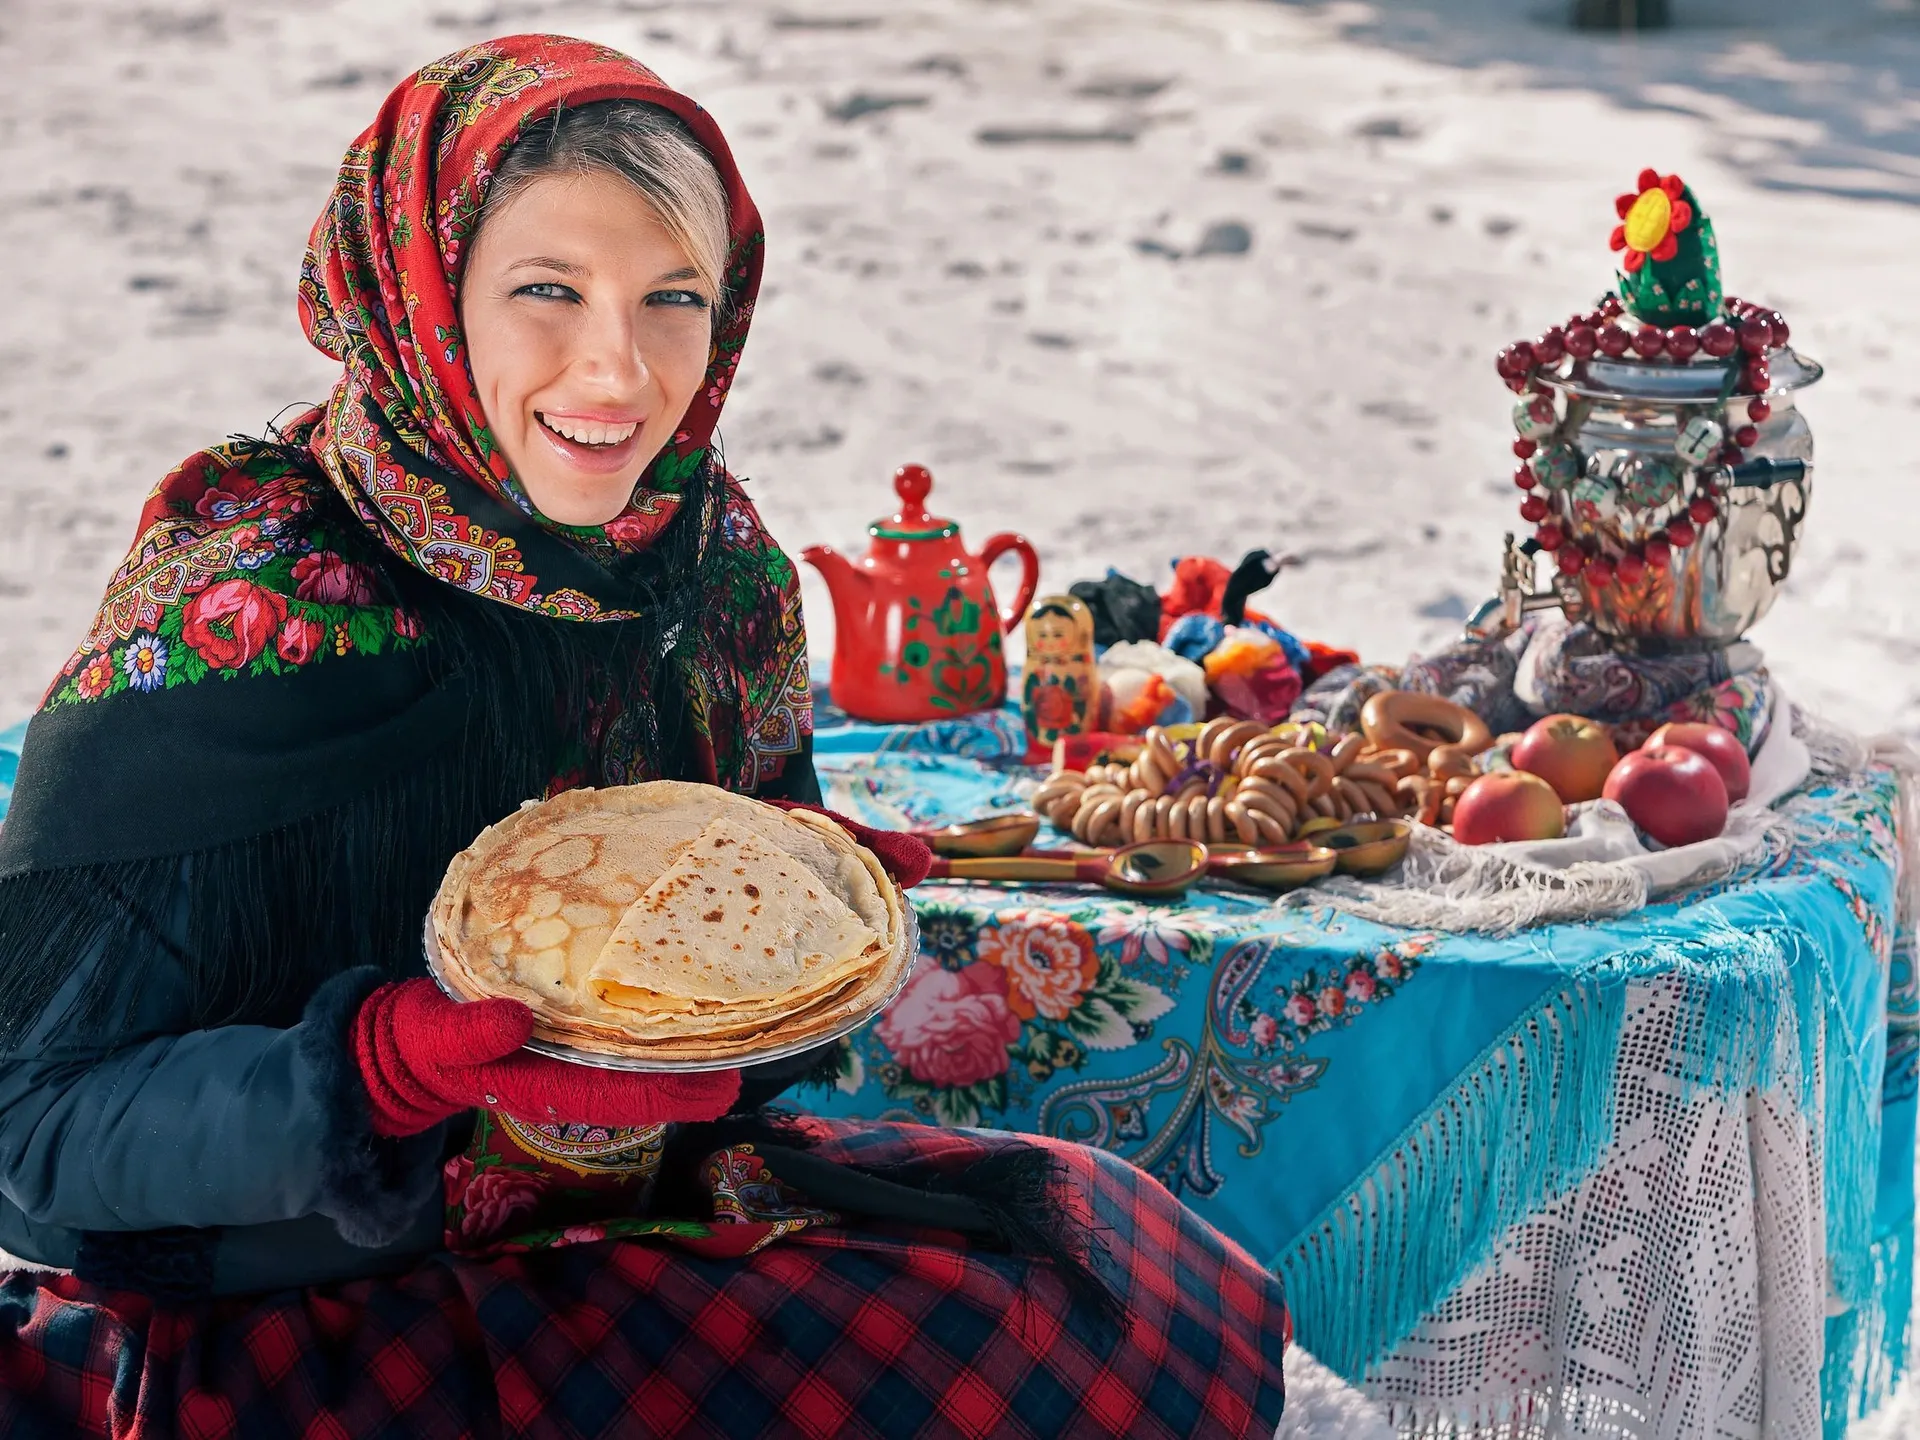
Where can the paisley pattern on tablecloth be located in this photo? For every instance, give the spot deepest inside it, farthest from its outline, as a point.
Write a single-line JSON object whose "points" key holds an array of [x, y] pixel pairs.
{"points": [[1009, 1007]]}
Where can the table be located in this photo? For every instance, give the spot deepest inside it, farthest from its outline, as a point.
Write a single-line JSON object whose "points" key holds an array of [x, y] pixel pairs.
{"points": [[1651, 1177]]}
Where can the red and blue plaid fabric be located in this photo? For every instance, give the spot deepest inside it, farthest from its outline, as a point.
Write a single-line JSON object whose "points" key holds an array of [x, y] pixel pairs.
{"points": [[830, 1333]]}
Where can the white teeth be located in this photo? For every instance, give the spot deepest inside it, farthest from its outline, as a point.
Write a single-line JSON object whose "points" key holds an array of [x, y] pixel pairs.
{"points": [[590, 432]]}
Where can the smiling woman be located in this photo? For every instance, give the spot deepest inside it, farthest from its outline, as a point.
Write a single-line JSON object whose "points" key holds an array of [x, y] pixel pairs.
{"points": [[502, 561]]}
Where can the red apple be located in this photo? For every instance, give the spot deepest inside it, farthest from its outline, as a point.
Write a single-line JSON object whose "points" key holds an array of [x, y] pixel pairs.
{"points": [[1721, 747], [1570, 753], [1675, 795], [1511, 805]]}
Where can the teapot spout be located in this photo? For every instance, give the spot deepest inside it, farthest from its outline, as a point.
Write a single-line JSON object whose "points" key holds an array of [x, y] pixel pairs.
{"points": [[843, 577]]}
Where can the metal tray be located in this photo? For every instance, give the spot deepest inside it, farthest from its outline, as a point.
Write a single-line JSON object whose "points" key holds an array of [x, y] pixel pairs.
{"points": [[908, 948]]}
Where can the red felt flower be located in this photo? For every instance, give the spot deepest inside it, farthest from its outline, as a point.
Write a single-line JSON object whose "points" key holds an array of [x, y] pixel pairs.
{"points": [[230, 623], [1652, 218]]}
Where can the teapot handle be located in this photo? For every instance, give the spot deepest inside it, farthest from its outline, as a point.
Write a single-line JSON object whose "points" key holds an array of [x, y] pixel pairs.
{"points": [[998, 545]]}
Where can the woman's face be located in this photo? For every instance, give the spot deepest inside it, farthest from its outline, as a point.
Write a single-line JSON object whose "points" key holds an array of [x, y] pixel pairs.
{"points": [[587, 330]]}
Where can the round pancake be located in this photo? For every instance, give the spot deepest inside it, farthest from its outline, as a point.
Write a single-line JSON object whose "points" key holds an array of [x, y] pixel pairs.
{"points": [[529, 907]]}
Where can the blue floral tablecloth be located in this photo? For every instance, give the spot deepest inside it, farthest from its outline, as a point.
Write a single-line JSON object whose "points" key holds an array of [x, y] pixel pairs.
{"points": [[1263, 1063]]}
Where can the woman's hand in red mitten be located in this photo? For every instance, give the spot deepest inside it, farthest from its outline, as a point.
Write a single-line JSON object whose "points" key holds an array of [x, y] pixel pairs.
{"points": [[905, 857], [424, 1058]]}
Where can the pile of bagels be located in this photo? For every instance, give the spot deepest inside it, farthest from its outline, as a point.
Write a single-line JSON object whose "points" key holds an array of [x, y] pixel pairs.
{"points": [[1237, 782]]}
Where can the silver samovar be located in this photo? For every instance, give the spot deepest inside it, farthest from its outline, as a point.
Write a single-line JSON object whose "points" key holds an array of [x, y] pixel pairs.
{"points": [[1663, 457], [1632, 445]]}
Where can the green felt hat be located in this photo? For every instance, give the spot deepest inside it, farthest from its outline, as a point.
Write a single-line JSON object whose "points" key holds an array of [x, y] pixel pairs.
{"points": [[1671, 271]]}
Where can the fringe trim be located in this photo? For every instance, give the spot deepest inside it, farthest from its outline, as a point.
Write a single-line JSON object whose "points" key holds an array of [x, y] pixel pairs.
{"points": [[256, 925], [1868, 1347], [1015, 1198], [1448, 886], [1528, 1415], [1534, 1115]]}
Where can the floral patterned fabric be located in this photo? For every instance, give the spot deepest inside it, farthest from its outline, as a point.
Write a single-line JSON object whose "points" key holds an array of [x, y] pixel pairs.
{"points": [[233, 573], [1271, 1066]]}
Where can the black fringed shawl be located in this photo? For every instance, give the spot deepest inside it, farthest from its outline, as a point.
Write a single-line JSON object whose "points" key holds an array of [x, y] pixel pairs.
{"points": [[310, 815]]}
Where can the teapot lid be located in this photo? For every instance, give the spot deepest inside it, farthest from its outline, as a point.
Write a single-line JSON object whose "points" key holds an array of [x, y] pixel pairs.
{"points": [[912, 483]]}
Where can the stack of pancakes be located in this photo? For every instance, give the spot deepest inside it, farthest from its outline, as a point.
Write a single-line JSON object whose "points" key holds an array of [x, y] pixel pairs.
{"points": [[671, 922]]}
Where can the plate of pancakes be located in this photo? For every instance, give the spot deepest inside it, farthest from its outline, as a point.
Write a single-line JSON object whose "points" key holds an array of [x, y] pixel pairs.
{"points": [[672, 926]]}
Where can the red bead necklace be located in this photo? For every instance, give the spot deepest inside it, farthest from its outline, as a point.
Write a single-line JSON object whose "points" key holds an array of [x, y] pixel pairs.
{"points": [[1750, 329]]}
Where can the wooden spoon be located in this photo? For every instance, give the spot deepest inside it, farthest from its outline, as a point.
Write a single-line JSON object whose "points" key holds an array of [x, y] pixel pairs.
{"points": [[995, 835], [1149, 868]]}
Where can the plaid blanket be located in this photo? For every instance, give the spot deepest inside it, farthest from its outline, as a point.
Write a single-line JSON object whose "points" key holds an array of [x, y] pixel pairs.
{"points": [[831, 1332]]}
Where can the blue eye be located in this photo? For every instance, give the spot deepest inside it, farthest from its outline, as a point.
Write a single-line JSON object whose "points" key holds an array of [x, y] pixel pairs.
{"points": [[691, 299], [548, 290]]}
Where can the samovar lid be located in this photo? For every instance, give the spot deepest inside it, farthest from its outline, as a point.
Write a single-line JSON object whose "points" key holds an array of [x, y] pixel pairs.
{"points": [[1699, 382]]}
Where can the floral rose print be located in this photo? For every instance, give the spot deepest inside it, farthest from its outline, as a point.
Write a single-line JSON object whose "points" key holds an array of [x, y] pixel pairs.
{"points": [[299, 639], [233, 494], [951, 1027], [495, 1199], [1049, 961], [96, 677], [229, 623], [328, 579]]}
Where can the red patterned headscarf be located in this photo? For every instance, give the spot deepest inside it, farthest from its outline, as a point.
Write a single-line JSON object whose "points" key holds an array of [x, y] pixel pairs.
{"points": [[235, 570], [379, 292]]}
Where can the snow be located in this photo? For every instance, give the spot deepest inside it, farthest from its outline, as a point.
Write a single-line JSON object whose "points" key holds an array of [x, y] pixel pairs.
{"points": [[1135, 277]]}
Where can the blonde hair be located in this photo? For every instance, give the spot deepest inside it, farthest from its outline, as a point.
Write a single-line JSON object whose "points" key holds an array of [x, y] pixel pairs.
{"points": [[653, 151]]}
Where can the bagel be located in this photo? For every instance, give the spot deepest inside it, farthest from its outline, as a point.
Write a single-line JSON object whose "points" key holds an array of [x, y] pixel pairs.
{"points": [[1401, 762], [1197, 816], [1215, 823], [1366, 770], [1165, 757], [1161, 808], [1230, 741], [1406, 720], [1260, 748], [1317, 768], [1277, 771], [1347, 751]]}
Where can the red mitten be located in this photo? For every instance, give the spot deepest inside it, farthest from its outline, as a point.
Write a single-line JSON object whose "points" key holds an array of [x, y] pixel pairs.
{"points": [[424, 1058], [905, 857]]}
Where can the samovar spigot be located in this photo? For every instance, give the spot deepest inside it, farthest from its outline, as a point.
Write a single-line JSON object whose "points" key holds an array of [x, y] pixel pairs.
{"points": [[1503, 614], [1759, 474]]}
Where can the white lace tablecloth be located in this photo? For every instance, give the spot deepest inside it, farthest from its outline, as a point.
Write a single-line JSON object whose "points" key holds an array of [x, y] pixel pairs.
{"points": [[1678, 1292]]}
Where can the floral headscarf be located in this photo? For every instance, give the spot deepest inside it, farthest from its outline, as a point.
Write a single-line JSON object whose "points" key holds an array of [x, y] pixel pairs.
{"points": [[236, 571]]}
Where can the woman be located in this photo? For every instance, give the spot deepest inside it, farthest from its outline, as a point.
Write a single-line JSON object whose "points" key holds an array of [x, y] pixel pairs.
{"points": [[504, 559]]}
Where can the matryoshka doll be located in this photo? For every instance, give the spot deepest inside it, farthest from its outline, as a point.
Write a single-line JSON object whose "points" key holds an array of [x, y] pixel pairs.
{"points": [[1061, 693]]}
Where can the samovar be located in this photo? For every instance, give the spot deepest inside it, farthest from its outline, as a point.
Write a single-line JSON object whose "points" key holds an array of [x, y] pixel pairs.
{"points": [[1662, 455]]}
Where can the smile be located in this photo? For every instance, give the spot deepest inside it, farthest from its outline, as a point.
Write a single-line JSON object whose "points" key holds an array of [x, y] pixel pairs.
{"points": [[589, 432]]}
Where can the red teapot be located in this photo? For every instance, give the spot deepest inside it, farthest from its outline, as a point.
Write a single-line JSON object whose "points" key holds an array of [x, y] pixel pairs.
{"points": [[916, 628]]}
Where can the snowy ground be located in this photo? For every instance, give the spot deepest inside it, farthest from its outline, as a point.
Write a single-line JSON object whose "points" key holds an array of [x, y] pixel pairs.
{"points": [[988, 251]]}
